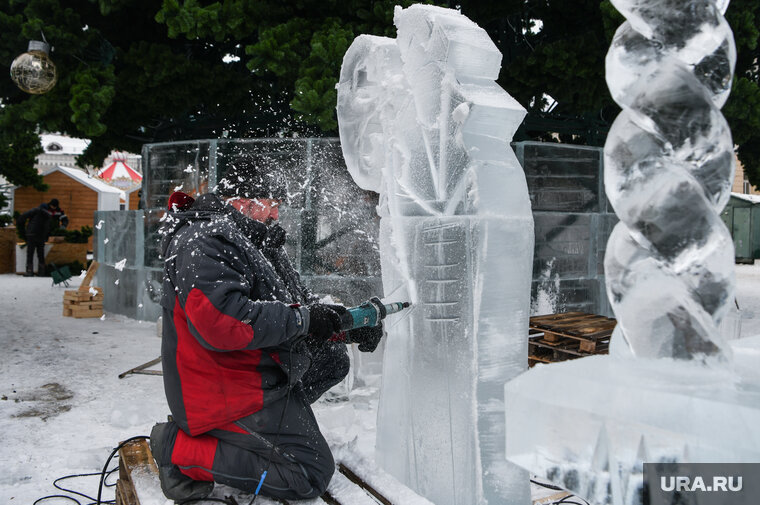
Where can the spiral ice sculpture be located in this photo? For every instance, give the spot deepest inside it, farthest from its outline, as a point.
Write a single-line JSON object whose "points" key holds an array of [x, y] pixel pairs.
{"points": [[669, 166]]}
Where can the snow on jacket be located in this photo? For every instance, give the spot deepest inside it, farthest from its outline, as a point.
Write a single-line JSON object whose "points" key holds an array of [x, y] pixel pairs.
{"points": [[228, 317], [37, 223]]}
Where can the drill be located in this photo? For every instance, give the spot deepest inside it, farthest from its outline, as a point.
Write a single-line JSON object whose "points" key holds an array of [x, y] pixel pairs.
{"points": [[369, 313]]}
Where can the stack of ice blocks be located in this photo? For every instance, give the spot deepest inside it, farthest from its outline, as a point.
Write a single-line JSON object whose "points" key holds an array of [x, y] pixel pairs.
{"points": [[573, 221]]}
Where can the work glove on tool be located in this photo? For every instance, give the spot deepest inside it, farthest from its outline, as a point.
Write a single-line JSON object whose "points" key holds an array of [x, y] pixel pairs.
{"points": [[323, 321], [340, 309], [368, 337]]}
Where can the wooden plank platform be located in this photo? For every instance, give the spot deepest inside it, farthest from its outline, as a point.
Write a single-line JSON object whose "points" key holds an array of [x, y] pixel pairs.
{"points": [[568, 335], [138, 483]]}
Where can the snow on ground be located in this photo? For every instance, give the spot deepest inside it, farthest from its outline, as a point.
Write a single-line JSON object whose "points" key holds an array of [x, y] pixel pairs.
{"points": [[63, 408], [748, 298]]}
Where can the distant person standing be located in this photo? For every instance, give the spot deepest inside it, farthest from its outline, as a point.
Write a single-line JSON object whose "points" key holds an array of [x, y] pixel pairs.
{"points": [[36, 225]]}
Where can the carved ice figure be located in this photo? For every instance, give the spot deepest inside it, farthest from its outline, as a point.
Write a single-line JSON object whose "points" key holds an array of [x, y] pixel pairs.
{"points": [[423, 123], [672, 390]]}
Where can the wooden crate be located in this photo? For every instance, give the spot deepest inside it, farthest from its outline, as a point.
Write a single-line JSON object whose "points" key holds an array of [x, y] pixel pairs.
{"points": [[83, 304], [569, 335], [85, 301]]}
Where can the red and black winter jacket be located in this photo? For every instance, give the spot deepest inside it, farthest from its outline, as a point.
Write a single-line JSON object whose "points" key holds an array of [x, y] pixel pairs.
{"points": [[228, 323]]}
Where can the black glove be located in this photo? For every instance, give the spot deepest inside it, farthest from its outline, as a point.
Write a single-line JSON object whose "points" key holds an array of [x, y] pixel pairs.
{"points": [[323, 321], [340, 309], [367, 337]]}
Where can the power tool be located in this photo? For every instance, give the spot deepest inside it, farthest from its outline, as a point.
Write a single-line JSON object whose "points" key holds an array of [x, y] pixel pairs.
{"points": [[369, 313]]}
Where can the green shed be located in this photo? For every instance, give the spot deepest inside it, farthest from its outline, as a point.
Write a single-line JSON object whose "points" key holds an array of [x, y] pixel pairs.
{"points": [[742, 217]]}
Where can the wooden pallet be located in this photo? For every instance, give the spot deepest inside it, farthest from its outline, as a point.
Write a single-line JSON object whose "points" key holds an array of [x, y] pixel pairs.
{"points": [[138, 479], [82, 302], [569, 335]]}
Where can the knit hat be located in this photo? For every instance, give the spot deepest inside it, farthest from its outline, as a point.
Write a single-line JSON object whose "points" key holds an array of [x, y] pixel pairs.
{"points": [[247, 177], [53, 203]]}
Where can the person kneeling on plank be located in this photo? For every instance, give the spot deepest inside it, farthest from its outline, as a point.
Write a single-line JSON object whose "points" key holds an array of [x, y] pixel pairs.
{"points": [[246, 347]]}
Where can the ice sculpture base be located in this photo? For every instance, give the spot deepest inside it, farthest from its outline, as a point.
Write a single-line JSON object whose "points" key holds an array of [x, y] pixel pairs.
{"points": [[571, 422]]}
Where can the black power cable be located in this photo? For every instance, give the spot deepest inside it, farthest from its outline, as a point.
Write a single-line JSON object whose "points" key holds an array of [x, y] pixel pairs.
{"points": [[56, 481], [279, 425], [567, 500], [51, 496], [105, 467], [103, 476], [547, 486], [228, 500]]}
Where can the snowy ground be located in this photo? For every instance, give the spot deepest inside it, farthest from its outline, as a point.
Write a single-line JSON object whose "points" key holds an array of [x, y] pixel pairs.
{"points": [[63, 408]]}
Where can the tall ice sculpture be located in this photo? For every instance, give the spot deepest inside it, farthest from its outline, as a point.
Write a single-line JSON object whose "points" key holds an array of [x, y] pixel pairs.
{"points": [[674, 389], [423, 123]]}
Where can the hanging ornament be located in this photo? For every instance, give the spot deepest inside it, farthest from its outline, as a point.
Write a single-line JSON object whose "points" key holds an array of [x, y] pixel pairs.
{"points": [[34, 71]]}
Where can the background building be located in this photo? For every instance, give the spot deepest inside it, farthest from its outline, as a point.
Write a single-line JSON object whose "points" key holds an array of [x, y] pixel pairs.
{"points": [[79, 195], [741, 183]]}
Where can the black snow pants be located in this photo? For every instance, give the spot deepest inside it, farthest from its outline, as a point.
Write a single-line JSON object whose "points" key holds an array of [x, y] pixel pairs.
{"points": [[300, 466], [34, 245]]}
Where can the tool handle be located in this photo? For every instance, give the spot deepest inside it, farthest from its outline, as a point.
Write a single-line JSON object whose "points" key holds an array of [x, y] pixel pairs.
{"points": [[369, 313]]}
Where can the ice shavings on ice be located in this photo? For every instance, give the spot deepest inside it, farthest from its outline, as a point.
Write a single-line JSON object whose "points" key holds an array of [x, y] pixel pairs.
{"points": [[377, 478], [148, 489], [547, 292], [422, 123], [120, 264]]}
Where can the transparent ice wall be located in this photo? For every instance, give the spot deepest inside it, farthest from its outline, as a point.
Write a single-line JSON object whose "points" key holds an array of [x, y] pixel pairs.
{"points": [[423, 123], [573, 221], [331, 223], [132, 289]]}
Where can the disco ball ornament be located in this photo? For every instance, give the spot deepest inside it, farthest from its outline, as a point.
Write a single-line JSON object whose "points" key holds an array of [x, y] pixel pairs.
{"points": [[34, 71]]}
